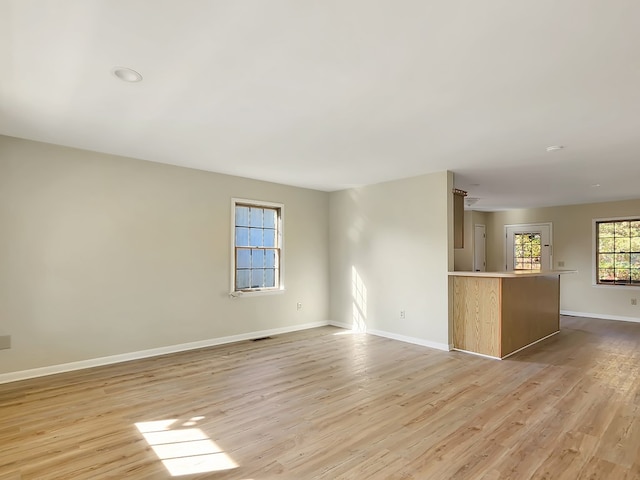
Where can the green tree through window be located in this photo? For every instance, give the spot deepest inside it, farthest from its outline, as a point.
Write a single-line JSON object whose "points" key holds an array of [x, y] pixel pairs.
{"points": [[526, 251], [618, 252]]}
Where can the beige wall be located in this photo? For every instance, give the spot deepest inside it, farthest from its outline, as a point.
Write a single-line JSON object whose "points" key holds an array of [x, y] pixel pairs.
{"points": [[103, 255], [573, 245], [463, 257], [394, 237]]}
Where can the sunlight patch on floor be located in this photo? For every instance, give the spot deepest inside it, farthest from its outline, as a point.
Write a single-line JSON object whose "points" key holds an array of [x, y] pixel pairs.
{"points": [[183, 449]]}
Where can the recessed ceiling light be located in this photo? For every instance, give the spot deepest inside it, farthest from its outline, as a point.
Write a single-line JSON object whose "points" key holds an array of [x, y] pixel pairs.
{"points": [[126, 74], [554, 148], [595, 185]]}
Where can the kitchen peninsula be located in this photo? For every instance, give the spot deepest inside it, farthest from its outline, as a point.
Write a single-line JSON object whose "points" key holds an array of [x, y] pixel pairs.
{"points": [[496, 314]]}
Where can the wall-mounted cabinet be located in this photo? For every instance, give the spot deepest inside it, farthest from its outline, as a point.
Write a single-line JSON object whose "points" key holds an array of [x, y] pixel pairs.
{"points": [[458, 218]]}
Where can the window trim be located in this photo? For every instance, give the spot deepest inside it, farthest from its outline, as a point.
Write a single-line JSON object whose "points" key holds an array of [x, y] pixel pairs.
{"points": [[280, 239], [594, 253]]}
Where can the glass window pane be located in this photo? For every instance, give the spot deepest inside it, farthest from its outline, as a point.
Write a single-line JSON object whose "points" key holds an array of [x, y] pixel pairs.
{"points": [[635, 275], [622, 229], [257, 278], [270, 258], [622, 244], [606, 229], [635, 228], [256, 217], [606, 275], [635, 244], [622, 275], [257, 258], [269, 278], [622, 260], [606, 245], [243, 279], [635, 260], [270, 217], [242, 216], [605, 260], [269, 237], [244, 258], [255, 237], [242, 237]]}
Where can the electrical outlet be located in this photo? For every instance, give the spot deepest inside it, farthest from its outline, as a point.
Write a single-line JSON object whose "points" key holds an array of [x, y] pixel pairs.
{"points": [[403, 314], [561, 264], [299, 306], [5, 342], [634, 301]]}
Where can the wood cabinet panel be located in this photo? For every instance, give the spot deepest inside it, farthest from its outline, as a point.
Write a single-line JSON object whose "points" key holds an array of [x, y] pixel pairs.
{"points": [[476, 315], [530, 310]]}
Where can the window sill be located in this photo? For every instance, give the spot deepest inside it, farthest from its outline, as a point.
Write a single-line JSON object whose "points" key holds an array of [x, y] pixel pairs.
{"points": [[255, 293], [616, 287]]}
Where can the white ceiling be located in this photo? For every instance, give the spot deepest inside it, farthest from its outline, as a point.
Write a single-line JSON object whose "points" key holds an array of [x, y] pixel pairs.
{"points": [[332, 94]]}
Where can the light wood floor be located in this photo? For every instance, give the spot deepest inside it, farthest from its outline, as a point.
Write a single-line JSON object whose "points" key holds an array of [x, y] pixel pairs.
{"points": [[322, 404]]}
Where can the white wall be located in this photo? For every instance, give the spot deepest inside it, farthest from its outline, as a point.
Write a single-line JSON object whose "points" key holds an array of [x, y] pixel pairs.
{"points": [[103, 255], [573, 245], [394, 237]]}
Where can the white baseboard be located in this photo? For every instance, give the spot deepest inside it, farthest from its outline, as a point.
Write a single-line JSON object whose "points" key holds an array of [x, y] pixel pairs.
{"points": [[600, 316], [394, 336], [340, 324], [154, 352]]}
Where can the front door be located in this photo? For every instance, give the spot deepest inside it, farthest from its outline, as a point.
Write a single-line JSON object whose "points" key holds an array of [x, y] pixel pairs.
{"points": [[528, 247]]}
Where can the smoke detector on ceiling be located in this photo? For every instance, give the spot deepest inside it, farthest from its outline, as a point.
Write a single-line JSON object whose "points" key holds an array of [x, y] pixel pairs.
{"points": [[554, 148], [126, 74]]}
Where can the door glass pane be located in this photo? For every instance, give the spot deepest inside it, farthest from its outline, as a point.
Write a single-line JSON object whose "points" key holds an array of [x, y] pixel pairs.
{"points": [[526, 251]]}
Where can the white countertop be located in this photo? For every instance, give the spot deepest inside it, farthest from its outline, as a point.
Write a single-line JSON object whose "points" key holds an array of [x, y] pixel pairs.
{"points": [[512, 273]]}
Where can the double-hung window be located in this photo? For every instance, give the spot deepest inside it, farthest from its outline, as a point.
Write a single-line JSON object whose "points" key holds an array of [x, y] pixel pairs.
{"points": [[617, 245], [257, 246]]}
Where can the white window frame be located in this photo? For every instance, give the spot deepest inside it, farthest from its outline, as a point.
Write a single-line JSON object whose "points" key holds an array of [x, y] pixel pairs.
{"points": [[594, 253], [280, 239]]}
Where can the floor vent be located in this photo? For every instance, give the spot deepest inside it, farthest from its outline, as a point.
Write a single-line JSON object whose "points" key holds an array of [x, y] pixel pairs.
{"points": [[260, 339]]}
